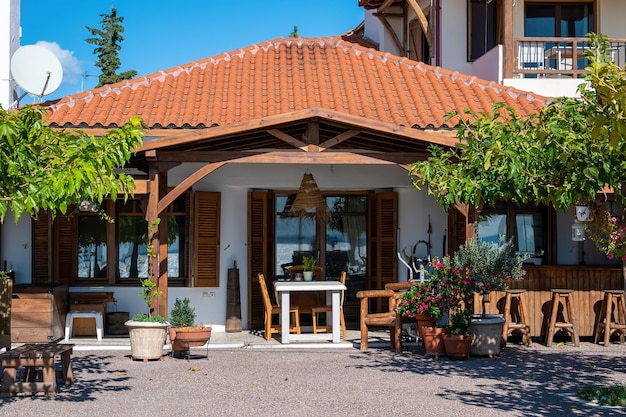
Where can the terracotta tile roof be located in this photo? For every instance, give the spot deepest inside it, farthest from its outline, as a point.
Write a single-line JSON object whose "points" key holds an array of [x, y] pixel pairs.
{"points": [[286, 75]]}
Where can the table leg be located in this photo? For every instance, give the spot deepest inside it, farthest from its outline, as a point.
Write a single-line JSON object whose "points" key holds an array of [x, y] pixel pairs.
{"points": [[49, 379], [66, 366], [335, 308], [284, 316]]}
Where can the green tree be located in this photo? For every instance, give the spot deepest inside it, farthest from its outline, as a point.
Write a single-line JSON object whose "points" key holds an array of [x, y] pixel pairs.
{"points": [[566, 154], [107, 41], [43, 168]]}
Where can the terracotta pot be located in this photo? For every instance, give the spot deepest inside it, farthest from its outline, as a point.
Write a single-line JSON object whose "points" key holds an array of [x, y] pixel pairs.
{"points": [[184, 337], [458, 346], [432, 337], [423, 320]]}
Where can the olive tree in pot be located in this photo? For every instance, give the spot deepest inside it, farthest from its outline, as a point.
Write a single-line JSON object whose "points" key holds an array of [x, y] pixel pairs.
{"points": [[184, 332], [489, 266], [148, 332]]}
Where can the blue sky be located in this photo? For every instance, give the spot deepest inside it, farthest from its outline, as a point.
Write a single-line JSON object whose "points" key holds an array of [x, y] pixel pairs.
{"points": [[163, 34]]}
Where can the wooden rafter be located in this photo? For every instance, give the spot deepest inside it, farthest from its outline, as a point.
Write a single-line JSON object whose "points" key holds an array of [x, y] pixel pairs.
{"points": [[189, 136], [338, 139], [421, 17], [287, 138]]}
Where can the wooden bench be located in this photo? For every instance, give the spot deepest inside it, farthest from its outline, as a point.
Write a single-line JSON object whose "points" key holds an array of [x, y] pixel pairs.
{"points": [[34, 355]]}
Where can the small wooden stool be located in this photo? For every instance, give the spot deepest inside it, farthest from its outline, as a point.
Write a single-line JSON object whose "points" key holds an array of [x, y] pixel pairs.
{"points": [[569, 321], [521, 324], [605, 323]]}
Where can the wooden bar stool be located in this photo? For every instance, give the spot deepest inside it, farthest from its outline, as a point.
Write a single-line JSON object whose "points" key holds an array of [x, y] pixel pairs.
{"points": [[605, 323], [521, 324], [569, 321]]}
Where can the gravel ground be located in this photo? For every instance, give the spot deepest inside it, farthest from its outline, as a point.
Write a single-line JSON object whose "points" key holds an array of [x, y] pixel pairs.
{"points": [[327, 382]]}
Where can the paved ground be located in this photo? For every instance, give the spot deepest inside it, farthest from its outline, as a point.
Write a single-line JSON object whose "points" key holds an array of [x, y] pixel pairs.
{"points": [[254, 378]]}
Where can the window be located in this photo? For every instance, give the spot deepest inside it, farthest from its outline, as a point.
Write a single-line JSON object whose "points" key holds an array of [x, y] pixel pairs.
{"points": [[129, 241], [482, 26], [92, 246], [554, 19], [343, 237], [525, 224]]}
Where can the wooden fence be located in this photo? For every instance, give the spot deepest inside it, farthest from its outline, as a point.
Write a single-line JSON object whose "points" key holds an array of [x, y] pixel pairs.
{"points": [[586, 281]]}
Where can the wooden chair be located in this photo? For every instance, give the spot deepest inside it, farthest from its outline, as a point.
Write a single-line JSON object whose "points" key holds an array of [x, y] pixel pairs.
{"points": [[326, 308], [385, 319], [271, 309]]}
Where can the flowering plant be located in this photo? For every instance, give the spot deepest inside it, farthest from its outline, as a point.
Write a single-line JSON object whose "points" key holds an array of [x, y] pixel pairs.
{"points": [[446, 289], [608, 233]]}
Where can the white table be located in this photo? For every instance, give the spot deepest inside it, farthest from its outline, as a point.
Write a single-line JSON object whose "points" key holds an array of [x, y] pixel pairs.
{"points": [[333, 291]]}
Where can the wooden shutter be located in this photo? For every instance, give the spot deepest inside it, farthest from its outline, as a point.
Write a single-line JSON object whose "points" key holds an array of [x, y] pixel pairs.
{"points": [[54, 241], [382, 250], [66, 242], [206, 239], [42, 235], [457, 229], [260, 230]]}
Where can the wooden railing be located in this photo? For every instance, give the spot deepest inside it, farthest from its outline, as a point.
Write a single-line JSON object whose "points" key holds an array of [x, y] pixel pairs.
{"points": [[586, 281], [558, 57]]}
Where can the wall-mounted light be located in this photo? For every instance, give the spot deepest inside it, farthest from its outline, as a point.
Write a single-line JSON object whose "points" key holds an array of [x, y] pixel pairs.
{"points": [[578, 231]]}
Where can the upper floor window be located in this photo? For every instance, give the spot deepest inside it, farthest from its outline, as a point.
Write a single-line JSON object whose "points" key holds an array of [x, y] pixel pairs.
{"points": [[482, 26], [558, 19]]}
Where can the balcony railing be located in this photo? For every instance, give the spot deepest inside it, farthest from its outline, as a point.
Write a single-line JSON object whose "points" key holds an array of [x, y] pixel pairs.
{"points": [[559, 57]]}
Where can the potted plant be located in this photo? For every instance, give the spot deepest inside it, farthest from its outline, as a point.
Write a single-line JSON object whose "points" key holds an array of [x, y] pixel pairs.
{"points": [[147, 332], [428, 303], [488, 266], [308, 262], [458, 342], [184, 332]]}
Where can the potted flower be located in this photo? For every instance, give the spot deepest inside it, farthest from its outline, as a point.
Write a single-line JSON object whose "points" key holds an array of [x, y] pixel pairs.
{"points": [[430, 302], [184, 332], [308, 262], [147, 332], [488, 266], [458, 342]]}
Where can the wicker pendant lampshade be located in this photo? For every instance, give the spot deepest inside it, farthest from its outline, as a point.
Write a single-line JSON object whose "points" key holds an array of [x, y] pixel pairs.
{"points": [[309, 201]]}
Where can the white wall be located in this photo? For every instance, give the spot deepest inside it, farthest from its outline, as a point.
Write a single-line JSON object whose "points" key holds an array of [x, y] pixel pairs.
{"points": [[16, 247]]}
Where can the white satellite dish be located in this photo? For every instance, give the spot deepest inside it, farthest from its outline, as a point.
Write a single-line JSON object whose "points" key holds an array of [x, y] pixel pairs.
{"points": [[36, 70]]}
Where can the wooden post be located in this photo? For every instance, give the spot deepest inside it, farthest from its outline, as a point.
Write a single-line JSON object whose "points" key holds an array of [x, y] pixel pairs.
{"points": [[162, 282], [153, 232], [507, 41]]}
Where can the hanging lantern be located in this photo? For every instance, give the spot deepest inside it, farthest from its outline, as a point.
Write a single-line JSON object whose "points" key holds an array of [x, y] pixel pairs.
{"points": [[309, 201], [578, 231]]}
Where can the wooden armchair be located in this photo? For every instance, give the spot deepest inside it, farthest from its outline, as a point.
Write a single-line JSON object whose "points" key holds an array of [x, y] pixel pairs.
{"points": [[385, 319], [271, 309]]}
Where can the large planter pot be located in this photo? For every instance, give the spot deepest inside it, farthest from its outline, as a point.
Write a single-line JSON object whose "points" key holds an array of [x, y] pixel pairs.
{"points": [[432, 337], [458, 346], [182, 338], [423, 320], [146, 339], [487, 331]]}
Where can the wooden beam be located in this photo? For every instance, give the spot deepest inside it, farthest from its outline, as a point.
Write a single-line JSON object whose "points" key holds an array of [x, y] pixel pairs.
{"points": [[385, 5], [287, 138], [389, 28], [440, 137], [507, 34], [186, 184], [297, 157], [421, 17], [339, 138]]}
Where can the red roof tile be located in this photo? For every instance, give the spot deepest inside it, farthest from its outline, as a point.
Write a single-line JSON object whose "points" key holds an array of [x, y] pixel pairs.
{"points": [[287, 75]]}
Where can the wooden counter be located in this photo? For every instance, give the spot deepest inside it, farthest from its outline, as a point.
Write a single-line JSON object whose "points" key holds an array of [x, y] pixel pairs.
{"points": [[38, 313], [586, 281]]}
